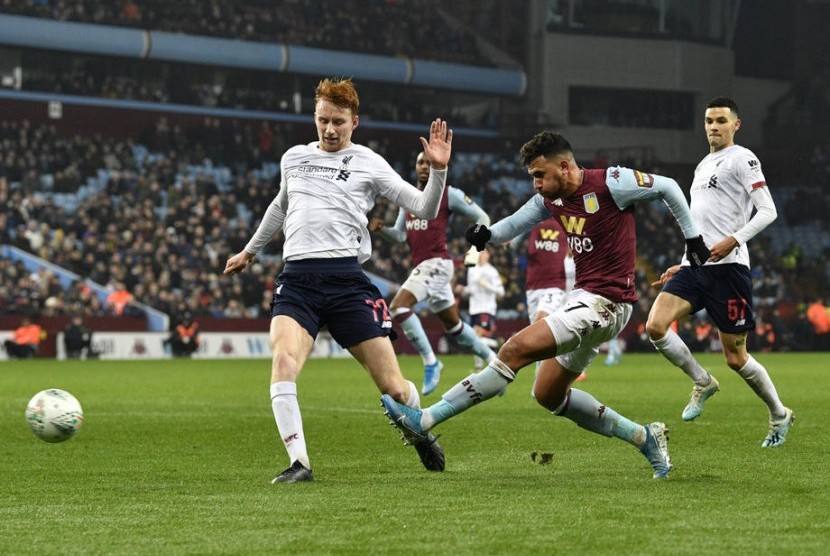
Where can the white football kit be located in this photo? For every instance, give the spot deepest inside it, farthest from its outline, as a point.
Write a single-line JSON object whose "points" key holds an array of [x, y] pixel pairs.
{"points": [[484, 286], [324, 197], [726, 186]]}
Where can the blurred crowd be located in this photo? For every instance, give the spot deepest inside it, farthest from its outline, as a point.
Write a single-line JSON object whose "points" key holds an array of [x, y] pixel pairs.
{"points": [[364, 25], [153, 217], [162, 236], [111, 78], [375, 27], [161, 224]]}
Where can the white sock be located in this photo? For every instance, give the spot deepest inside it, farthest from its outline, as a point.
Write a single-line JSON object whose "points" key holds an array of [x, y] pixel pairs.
{"points": [[414, 399], [584, 410], [676, 351], [289, 421], [757, 377]]}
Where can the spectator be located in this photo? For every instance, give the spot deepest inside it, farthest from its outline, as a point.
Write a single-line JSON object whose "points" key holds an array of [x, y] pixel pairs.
{"points": [[77, 339], [819, 316], [184, 339], [26, 340], [119, 299]]}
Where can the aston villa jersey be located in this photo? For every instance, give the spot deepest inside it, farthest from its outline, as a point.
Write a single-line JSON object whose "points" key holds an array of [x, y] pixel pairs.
{"points": [[547, 247], [600, 235], [427, 239]]}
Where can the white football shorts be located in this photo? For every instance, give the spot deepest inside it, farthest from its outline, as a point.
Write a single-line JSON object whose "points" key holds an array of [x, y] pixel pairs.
{"points": [[582, 324], [544, 299], [432, 281]]}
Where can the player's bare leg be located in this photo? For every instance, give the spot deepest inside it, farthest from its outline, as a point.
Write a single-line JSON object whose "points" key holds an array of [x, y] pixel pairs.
{"points": [[402, 313], [668, 308], [757, 378], [378, 358], [290, 347]]}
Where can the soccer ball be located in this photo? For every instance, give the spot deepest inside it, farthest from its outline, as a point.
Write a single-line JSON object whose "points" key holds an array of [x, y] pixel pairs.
{"points": [[54, 415]]}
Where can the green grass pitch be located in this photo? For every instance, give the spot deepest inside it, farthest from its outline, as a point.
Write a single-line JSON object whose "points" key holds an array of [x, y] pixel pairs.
{"points": [[176, 457]]}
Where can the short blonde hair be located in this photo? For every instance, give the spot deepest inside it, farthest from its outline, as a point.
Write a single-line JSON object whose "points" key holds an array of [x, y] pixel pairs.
{"points": [[340, 92]]}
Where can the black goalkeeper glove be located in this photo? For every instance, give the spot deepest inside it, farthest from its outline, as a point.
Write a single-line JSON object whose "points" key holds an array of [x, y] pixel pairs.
{"points": [[478, 235], [696, 251]]}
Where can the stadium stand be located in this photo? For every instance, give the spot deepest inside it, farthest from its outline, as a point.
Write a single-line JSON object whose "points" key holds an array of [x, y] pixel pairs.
{"points": [[159, 207], [325, 24], [148, 216]]}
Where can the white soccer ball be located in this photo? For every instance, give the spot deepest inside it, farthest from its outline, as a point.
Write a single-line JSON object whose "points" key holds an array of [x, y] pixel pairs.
{"points": [[54, 415]]}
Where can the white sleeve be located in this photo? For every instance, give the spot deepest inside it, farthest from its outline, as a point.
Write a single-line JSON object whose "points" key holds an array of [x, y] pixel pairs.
{"points": [[426, 203], [765, 215], [271, 222], [491, 283]]}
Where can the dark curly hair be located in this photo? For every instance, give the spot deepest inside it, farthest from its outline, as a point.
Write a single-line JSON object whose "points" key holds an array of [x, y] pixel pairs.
{"points": [[545, 143]]}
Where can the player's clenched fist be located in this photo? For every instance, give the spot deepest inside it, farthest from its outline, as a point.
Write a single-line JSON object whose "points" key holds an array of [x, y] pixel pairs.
{"points": [[478, 235], [696, 251]]}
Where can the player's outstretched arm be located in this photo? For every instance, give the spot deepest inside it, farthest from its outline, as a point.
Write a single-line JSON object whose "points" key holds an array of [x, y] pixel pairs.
{"points": [[439, 146], [628, 187]]}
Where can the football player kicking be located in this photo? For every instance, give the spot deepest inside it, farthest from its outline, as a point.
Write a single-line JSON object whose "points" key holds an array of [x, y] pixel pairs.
{"points": [[596, 210]]}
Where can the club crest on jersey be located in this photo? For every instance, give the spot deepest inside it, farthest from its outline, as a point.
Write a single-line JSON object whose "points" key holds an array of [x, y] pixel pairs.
{"points": [[343, 173], [643, 180], [591, 203]]}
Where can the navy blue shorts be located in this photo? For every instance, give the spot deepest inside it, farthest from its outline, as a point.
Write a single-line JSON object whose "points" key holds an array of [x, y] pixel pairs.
{"points": [[483, 320], [724, 290], [334, 293]]}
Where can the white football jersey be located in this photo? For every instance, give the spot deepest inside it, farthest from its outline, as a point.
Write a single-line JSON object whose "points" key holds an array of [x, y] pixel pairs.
{"points": [[720, 197], [484, 285], [329, 195]]}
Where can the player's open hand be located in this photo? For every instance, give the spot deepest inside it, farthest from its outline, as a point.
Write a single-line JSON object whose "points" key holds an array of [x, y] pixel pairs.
{"points": [[238, 262], [439, 147]]}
